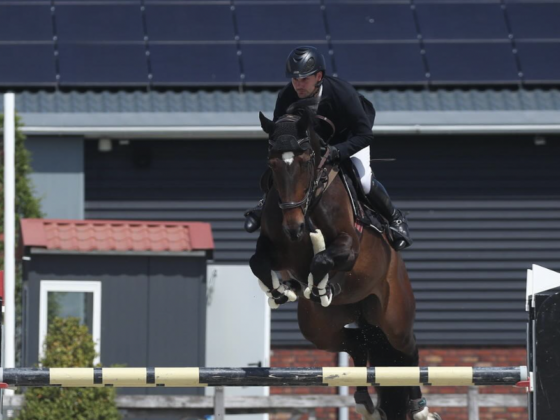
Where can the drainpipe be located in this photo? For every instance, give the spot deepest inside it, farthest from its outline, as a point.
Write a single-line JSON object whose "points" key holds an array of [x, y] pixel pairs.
{"points": [[9, 232]]}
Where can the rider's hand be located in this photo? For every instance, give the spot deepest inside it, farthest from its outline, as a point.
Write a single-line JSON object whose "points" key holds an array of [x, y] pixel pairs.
{"points": [[334, 154]]}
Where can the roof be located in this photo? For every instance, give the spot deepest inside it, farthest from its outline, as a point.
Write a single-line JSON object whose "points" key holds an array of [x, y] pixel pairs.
{"points": [[203, 101], [116, 236], [234, 114]]}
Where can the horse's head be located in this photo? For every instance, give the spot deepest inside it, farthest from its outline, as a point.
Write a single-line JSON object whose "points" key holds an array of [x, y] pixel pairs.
{"points": [[293, 155]]}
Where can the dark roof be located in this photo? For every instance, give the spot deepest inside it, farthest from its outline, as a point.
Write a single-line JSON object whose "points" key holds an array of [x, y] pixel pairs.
{"points": [[116, 235], [253, 101]]}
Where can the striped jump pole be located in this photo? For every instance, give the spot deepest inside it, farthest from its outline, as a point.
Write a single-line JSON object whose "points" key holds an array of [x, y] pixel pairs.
{"points": [[255, 376]]}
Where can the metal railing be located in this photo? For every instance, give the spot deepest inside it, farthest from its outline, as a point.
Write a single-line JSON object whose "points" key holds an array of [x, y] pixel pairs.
{"points": [[219, 405]]}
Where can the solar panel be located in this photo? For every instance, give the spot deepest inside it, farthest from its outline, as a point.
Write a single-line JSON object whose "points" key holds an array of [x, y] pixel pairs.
{"points": [[380, 63], [25, 23], [280, 22], [27, 64], [189, 64], [462, 21], [182, 22], [60, 2], [103, 64], [370, 21], [475, 62], [540, 61], [99, 22], [534, 20], [458, 1], [228, 2], [266, 63], [318, 2]]}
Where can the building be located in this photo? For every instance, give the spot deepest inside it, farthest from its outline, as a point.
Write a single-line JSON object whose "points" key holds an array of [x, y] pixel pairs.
{"points": [[147, 110]]}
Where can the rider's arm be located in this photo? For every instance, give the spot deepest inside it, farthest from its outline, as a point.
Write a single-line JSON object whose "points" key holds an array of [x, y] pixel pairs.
{"points": [[361, 135]]}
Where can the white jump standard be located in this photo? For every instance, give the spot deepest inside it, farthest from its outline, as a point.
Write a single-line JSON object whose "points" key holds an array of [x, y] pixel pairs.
{"points": [[202, 377]]}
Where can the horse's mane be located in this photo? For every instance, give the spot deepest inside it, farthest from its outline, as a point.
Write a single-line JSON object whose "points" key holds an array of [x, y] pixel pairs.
{"points": [[308, 108]]}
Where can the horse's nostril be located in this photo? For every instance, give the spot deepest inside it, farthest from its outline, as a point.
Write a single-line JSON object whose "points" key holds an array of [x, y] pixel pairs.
{"points": [[294, 233]]}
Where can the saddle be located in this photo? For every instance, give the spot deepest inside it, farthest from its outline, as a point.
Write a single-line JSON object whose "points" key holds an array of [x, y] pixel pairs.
{"points": [[364, 215]]}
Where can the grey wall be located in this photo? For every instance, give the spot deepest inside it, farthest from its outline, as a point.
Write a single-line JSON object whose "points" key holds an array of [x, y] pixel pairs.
{"points": [[153, 308], [482, 210], [58, 175]]}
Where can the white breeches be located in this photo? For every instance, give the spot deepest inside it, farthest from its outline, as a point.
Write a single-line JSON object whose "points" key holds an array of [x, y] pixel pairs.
{"points": [[362, 165]]}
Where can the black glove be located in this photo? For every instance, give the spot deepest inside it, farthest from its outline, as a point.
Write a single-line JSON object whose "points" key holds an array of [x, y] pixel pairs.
{"points": [[334, 154]]}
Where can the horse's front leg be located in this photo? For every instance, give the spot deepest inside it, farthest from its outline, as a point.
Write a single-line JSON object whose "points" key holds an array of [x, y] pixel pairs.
{"points": [[340, 256], [278, 291]]}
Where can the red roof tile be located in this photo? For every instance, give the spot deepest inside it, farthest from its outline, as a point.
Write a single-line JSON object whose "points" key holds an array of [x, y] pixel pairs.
{"points": [[116, 235]]}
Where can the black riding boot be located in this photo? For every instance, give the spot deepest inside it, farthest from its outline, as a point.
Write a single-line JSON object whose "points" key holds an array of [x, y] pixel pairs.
{"points": [[253, 217], [381, 201]]}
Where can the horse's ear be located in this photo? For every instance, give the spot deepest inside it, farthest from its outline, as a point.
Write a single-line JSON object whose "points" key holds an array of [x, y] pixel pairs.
{"points": [[303, 123], [266, 124]]}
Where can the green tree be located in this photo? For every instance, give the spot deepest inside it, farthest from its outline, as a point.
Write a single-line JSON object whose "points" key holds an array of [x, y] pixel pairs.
{"points": [[69, 344], [27, 206]]}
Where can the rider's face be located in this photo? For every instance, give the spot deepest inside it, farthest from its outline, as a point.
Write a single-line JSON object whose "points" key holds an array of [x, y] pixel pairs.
{"points": [[306, 86]]}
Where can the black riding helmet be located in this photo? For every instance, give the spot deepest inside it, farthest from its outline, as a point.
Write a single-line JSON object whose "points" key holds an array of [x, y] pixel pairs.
{"points": [[304, 62]]}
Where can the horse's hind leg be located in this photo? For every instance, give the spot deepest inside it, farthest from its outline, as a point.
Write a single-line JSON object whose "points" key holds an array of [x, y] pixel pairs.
{"points": [[398, 401], [357, 346], [400, 349], [392, 400]]}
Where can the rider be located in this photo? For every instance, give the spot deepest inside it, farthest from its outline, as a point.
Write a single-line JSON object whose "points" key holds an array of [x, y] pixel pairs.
{"points": [[340, 103]]}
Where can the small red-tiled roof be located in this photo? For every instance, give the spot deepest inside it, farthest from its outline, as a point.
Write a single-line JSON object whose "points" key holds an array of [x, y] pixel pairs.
{"points": [[116, 235]]}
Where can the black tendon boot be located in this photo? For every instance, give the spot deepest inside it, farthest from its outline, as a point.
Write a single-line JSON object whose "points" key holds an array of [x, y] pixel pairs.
{"points": [[381, 201], [253, 217]]}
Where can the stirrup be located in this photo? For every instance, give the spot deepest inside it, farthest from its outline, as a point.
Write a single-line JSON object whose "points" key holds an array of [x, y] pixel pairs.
{"points": [[255, 211], [400, 238], [399, 241], [253, 217]]}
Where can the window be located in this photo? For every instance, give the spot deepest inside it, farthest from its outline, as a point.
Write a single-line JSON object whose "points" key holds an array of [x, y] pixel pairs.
{"points": [[80, 299]]}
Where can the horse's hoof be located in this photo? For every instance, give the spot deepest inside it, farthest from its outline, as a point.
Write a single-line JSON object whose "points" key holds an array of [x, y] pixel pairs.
{"points": [[377, 414], [307, 293], [326, 300], [426, 415], [292, 297], [272, 303]]}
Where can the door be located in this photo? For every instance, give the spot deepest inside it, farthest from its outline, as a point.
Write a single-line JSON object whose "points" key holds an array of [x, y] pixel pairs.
{"points": [[237, 326]]}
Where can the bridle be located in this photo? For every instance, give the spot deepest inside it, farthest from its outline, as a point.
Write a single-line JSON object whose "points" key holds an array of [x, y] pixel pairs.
{"points": [[318, 177], [313, 182]]}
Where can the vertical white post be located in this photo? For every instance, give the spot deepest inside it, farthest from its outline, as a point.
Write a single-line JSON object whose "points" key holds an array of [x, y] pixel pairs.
{"points": [[9, 230], [343, 390], [219, 403], [472, 403]]}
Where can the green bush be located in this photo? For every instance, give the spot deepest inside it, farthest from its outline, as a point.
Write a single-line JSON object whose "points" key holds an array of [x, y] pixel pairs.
{"points": [[69, 344]]}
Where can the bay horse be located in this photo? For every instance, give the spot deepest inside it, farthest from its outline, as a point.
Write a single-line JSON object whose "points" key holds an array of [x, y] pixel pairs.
{"points": [[309, 248]]}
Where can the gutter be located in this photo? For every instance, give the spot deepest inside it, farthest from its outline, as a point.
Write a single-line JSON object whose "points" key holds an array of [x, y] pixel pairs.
{"points": [[255, 132]]}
